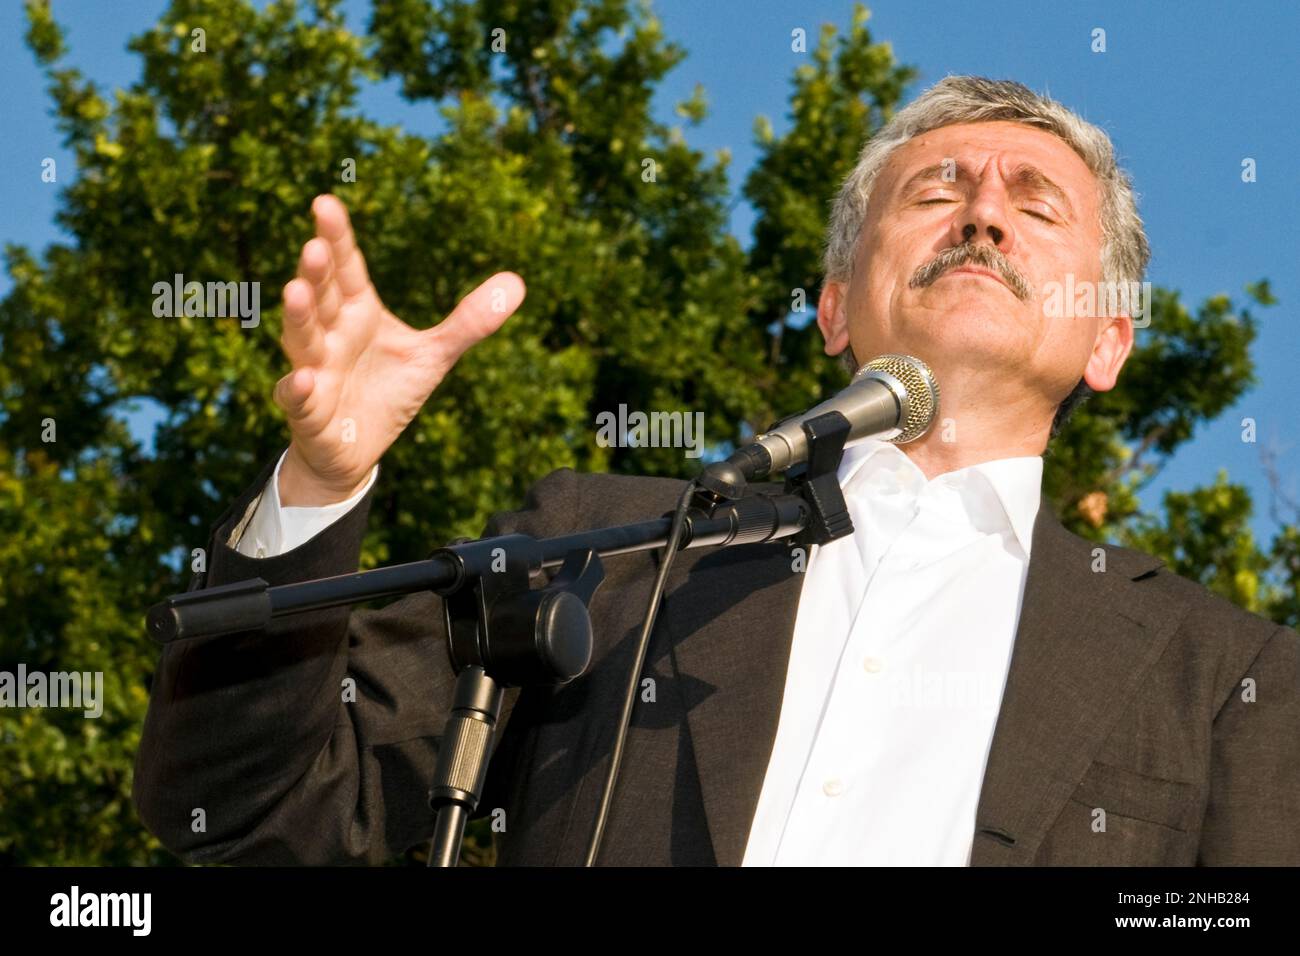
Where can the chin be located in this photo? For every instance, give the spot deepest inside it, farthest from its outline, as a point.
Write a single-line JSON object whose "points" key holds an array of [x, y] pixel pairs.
{"points": [[983, 332]]}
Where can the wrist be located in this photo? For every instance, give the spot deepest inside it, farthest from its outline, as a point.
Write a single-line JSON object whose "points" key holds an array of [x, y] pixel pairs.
{"points": [[300, 487]]}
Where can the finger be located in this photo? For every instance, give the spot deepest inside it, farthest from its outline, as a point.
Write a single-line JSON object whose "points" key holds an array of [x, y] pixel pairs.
{"points": [[294, 393], [302, 339], [478, 315], [333, 225], [316, 265]]}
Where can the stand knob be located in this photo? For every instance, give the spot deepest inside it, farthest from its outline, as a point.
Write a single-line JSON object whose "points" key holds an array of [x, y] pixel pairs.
{"points": [[545, 636]]}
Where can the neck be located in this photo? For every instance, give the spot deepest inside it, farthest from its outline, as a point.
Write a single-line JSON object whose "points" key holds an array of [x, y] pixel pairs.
{"points": [[977, 423]]}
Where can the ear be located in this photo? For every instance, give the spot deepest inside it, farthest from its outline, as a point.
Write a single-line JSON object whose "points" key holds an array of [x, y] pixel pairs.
{"points": [[831, 318], [1109, 353]]}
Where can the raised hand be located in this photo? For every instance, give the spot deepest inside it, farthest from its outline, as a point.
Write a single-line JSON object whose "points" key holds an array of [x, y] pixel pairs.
{"points": [[360, 373]]}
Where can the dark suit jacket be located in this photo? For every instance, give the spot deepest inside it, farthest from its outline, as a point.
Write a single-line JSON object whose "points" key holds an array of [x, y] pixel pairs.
{"points": [[1125, 694]]}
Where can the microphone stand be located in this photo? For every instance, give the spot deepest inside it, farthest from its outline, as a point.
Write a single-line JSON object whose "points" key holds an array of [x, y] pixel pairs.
{"points": [[501, 632]]}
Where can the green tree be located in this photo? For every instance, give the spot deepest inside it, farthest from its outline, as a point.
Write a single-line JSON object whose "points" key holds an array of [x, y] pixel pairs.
{"points": [[548, 161]]}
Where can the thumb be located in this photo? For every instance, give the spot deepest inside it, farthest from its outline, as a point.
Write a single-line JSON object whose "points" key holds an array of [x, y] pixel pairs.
{"points": [[293, 392], [477, 316]]}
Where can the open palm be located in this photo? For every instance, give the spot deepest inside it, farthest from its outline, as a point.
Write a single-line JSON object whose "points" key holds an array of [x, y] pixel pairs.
{"points": [[360, 374]]}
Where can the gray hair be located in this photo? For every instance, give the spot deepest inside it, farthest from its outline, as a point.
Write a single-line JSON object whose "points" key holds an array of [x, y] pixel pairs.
{"points": [[973, 99]]}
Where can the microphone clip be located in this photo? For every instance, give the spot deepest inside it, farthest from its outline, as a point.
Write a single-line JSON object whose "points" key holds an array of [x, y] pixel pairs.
{"points": [[817, 480]]}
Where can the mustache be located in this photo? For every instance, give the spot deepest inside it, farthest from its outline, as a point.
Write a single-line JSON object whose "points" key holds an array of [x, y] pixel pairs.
{"points": [[990, 257]]}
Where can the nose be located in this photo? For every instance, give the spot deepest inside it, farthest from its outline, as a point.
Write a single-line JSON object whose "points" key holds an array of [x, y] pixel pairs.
{"points": [[984, 219], [970, 230]]}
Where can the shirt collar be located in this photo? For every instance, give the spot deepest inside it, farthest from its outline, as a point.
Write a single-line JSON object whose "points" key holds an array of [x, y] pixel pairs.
{"points": [[1017, 482]]}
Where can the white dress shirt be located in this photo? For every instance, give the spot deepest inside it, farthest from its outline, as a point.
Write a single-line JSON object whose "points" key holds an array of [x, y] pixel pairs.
{"points": [[901, 647], [275, 529]]}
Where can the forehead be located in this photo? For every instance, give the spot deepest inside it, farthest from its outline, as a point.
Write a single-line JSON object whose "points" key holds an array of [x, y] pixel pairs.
{"points": [[1006, 145]]}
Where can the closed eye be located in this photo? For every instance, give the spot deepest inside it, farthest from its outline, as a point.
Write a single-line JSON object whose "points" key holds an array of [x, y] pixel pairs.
{"points": [[1031, 212]]}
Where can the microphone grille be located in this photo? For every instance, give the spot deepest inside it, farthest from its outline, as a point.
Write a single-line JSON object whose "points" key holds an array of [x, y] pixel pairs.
{"points": [[922, 392]]}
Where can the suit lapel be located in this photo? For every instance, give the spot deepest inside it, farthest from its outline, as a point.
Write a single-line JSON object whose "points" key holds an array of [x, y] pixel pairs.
{"points": [[730, 615], [1084, 642]]}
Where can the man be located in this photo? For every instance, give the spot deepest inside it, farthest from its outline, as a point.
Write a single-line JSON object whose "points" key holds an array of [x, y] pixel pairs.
{"points": [[961, 681]]}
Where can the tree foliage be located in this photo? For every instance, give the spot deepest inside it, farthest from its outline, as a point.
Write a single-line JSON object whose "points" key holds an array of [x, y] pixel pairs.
{"points": [[548, 161]]}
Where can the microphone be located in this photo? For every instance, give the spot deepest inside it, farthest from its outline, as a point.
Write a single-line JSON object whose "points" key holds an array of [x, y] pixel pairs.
{"points": [[892, 397]]}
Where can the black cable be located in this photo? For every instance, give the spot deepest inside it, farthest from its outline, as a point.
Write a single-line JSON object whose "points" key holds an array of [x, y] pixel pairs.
{"points": [[634, 682]]}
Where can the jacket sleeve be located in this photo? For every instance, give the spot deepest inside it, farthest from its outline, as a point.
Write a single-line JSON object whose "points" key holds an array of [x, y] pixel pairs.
{"points": [[312, 741], [1253, 816]]}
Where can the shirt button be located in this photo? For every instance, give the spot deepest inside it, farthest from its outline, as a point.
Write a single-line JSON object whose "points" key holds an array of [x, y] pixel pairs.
{"points": [[872, 665], [833, 787], [261, 552]]}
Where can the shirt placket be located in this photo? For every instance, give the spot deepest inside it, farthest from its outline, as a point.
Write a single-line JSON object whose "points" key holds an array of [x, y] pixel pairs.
{"points": [[825, 790]]}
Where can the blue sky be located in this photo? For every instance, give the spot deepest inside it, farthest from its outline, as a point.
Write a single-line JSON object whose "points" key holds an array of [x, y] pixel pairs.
{"points": [[1186, 90]]}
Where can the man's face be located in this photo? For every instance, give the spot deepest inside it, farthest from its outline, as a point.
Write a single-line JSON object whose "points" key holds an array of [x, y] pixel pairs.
{"points": [[1031, 207]]}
